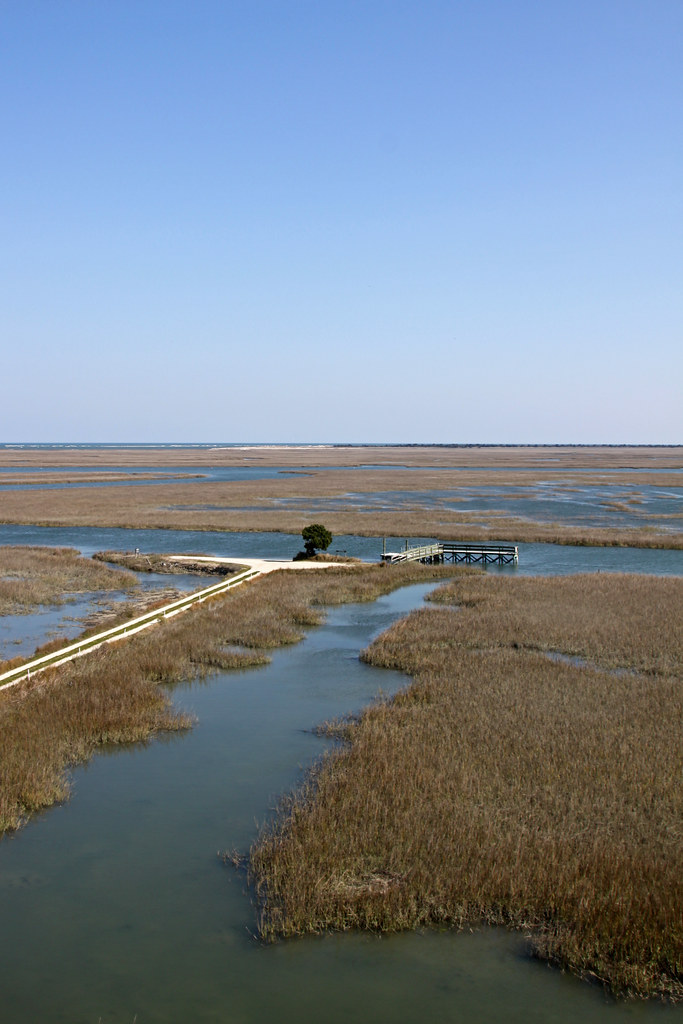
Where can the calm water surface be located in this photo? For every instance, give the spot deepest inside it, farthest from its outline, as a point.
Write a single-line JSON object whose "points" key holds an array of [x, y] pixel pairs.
{"points": [[534, 559], [117, 905], [22, 634], [590, 505], [606, 504]]}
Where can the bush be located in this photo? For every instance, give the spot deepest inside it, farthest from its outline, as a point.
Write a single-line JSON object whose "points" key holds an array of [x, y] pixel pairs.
{"points": [[316, 537]]}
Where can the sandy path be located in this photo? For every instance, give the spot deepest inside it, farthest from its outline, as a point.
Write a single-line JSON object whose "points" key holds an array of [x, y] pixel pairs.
{"points": [[263, 565]]}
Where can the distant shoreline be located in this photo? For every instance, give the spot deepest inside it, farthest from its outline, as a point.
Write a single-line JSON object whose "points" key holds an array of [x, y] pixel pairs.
{"points": [[297, 445]]}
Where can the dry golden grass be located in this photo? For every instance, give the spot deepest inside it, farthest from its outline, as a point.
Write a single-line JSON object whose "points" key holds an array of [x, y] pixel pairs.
{"points": [[349, 496], [32, 576], [113, 694], [505, 787], [62, 716], [248, 506], [614, 620], [87, 477]]}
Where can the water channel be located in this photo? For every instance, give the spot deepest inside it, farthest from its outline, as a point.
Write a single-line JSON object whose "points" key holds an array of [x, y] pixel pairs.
{"points": [[116, 907], [534, 559]]}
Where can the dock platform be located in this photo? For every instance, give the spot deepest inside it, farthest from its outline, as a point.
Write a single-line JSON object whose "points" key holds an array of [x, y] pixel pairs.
{"points": [[456, 551]]}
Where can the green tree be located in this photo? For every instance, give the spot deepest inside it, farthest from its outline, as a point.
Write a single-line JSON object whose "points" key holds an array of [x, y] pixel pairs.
{"points": [[316, 538]]}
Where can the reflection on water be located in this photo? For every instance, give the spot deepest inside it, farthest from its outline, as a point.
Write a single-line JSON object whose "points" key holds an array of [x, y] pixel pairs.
{"points": [[117, 905]]}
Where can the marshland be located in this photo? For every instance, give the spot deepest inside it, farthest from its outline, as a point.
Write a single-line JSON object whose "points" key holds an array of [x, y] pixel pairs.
{"points": [[587, 496], [33, 576], [59, 717], [507, 787], [559, 681]]}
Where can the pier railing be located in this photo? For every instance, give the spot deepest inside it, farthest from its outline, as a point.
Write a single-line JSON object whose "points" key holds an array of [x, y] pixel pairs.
{"points": [[456, 551]]}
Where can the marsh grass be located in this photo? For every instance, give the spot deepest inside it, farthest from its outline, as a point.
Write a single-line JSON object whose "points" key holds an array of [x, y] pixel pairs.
{"points": [[616, 620], [503, 787], [185, 508], [44, 477], [115, 613], [33, 576], [289, 502], [114, 694]]}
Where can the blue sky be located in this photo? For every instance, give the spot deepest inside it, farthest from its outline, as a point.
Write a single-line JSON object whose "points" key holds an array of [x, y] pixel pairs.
{"points": [[363, 220]]}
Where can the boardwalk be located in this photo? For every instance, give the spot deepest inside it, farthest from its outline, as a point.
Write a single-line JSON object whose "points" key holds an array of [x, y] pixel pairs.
{"points": [[253, 567]]}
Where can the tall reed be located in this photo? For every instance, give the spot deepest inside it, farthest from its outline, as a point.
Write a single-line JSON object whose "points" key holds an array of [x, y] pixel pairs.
{"points": [[31, 576], [505, 786]]}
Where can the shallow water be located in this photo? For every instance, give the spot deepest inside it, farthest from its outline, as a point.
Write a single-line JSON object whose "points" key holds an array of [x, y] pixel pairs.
{"points": [[534, 559], [564, 560], [594, 505], [22, 634], [117, 905], [171, 475], [599, 505]]}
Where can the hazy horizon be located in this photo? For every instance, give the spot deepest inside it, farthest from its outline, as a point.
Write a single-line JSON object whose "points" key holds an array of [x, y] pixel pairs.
{"points": [[247, 445]]}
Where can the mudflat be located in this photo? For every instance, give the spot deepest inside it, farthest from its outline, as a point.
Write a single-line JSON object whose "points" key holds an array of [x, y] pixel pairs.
{"points": [[400, 492]]}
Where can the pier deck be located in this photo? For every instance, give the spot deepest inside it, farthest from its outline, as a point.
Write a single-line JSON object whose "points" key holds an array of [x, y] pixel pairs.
{"points": [[456, 551]]}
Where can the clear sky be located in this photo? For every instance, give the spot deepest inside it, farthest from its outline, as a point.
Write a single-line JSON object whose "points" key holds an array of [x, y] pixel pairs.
{"points": [[342, 220]]}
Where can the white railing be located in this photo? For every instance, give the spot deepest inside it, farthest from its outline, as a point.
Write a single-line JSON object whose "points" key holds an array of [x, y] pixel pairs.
{"points": [[81, 647], [414, 554]]}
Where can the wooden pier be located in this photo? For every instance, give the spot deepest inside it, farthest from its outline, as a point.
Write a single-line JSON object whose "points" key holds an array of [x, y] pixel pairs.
{"points": [[456, 551]]}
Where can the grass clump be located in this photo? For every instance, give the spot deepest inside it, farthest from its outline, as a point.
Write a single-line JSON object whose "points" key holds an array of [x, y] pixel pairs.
{"points": [[141, 562], [33, 576], [505, 787]]}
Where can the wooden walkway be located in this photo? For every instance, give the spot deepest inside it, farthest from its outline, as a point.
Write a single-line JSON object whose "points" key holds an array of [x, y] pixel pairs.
{"points": [[253, 567], [107, 636], [456, 551]]}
